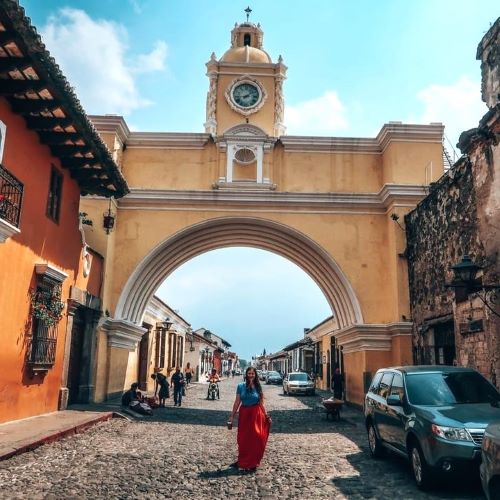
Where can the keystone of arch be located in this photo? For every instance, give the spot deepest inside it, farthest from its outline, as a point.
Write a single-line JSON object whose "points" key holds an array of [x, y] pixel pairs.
{"points": [[226, 232]]}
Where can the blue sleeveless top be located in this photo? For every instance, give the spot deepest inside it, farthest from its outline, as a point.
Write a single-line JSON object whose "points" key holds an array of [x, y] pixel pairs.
{"points": [[248, 397]]}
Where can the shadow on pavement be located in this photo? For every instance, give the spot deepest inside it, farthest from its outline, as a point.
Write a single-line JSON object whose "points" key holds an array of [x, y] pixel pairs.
{"points": [[218, 473], [451, 488]]}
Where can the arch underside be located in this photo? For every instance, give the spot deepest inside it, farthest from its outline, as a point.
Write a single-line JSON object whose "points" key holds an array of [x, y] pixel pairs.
{"points": [[232, 232]]}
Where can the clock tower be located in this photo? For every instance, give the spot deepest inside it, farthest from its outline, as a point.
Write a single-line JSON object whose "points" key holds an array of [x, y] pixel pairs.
{"points": [[245, 85], [245, 108]]}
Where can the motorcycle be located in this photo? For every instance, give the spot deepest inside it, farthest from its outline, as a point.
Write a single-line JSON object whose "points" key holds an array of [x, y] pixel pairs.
{"points": [[213, 391]]}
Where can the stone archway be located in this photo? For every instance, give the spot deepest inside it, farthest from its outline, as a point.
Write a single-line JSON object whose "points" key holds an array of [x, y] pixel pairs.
{"points": [[238, 231]]}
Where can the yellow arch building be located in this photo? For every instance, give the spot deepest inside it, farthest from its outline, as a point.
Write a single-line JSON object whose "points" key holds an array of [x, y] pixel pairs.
{"points": [[325, 203]]}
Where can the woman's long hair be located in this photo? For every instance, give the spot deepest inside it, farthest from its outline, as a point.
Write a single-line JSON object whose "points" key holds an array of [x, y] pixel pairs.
{"points": [[256, 382]]}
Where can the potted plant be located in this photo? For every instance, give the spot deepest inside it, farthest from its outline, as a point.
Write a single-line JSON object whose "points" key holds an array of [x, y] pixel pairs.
{"points": [[46, 305]]}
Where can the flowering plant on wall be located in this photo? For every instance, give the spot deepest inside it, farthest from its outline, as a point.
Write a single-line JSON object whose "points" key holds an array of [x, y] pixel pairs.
{"points": [[46, 305]]}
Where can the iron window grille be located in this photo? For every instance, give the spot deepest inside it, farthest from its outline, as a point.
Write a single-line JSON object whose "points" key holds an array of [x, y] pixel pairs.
{"points": [[11, 196], [44, 340]]}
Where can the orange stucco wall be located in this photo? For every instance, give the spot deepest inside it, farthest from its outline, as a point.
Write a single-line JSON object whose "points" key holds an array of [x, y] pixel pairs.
{"points": [[41, 240]]}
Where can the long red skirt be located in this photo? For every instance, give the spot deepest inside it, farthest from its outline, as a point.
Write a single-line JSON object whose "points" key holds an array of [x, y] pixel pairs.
{"points": [[253, 431]]}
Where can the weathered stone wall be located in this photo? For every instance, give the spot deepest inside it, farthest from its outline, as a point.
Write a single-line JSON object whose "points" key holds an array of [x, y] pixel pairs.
{"points": [[461, 215], [488, 52], [441, 229]]}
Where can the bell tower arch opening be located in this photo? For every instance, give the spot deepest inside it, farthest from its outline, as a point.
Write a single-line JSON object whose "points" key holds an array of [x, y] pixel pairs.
{"points": [[243, 232]]}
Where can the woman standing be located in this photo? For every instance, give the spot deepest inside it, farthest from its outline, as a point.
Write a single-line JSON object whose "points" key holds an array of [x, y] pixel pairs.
{"points": [[253, 423]]}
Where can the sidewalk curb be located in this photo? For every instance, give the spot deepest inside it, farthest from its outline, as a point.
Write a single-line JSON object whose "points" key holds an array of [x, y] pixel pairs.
{"points": [[56, 436]]}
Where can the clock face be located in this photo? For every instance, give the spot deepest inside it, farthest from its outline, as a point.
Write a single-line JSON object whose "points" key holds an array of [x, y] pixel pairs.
{"points": [[246, 95]]}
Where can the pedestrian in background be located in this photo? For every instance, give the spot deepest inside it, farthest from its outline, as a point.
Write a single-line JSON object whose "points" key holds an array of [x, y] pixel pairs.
{"points": [[253, 423], [338, 384], [188, 373], [161, 383], [178, 383]]}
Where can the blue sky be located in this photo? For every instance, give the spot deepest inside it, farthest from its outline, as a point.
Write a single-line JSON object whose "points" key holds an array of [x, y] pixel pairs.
{"points": [[353, 66]]}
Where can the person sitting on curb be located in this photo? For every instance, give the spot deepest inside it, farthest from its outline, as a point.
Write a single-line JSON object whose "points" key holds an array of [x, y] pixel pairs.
{"points": [[130, 395]]}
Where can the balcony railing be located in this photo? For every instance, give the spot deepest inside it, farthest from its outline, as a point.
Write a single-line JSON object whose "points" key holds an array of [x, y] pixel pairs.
{"points": [[11, 197]]}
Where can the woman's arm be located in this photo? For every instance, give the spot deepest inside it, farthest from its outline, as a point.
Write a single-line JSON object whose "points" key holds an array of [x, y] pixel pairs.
{"points": [[236, 407], [261, 402]]}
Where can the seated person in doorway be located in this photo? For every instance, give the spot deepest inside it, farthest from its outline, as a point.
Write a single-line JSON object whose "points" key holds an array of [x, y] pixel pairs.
{"points": [[161, 383], [178, 383], [131, 395], [213, 378]]}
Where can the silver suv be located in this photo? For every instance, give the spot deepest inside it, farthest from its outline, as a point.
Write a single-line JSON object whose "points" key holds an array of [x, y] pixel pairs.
{"points": [[433, 415]]}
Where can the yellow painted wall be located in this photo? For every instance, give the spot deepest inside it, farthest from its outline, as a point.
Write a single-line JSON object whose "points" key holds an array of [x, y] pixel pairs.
{"points": [[407, 162]]}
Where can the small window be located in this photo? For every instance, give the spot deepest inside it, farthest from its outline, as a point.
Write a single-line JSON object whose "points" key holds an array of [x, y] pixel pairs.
{"points": [[385, 383], [55, 192], [161, 335], [397, 388], [247, 39]]}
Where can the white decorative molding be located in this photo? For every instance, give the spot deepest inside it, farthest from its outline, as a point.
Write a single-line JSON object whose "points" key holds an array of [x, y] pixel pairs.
{"points": [[211, 107], [123, 334], [250, 193], [50, 272], [239, 231], [371, 337], [390, 132], [111, 123], [7, 230], [167, 140], [252, 81], [244, 186]]}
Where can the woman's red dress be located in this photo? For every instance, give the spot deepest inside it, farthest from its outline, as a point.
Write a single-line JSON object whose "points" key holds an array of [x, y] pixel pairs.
{"points": [[253, 432]]}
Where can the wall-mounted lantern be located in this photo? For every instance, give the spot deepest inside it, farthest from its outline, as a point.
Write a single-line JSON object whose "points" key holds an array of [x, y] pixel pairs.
{"points": [[108, 220], [466, 278]]}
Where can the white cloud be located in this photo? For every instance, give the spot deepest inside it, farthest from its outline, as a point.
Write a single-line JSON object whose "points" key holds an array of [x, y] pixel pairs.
{"points": [[457, 106], [324, 115], [154, 61], [93, 55]]}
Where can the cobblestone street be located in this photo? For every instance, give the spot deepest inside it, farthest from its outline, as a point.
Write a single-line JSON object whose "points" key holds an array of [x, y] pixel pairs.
{"points": [[185, 452]]}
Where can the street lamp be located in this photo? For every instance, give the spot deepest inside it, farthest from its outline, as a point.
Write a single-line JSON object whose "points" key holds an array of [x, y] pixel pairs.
{"points": [[166, 323], [466, 278], [190, 334]]}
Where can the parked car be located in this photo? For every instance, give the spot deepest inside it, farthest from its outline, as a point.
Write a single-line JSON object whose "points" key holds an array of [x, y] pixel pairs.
{"points": [[434, 415], [490, 464], [298, 383], [273, 378], [262, 374]]}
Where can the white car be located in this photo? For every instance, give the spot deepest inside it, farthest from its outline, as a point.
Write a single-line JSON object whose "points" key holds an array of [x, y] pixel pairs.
{"points": [[298, 383]]}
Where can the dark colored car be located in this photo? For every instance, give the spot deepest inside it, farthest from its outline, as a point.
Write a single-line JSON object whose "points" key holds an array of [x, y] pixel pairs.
{"points": [[273, 378], [434, 415], [490, 465]]}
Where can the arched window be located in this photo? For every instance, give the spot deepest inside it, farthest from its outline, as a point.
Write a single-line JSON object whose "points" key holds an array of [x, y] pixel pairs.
{"points": [[247, 39]]}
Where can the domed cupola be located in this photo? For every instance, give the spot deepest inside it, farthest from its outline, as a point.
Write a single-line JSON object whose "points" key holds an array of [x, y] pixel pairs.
{"points": [[246, 45]]}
